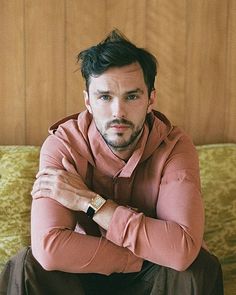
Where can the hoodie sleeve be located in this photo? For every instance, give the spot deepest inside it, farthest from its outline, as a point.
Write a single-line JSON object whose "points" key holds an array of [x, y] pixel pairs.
{"points": [[174, 237], [55, 243]]}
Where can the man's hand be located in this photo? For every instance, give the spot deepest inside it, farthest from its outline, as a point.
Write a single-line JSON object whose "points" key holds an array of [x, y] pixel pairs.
{"points": [[65, 187], [68, 188]]}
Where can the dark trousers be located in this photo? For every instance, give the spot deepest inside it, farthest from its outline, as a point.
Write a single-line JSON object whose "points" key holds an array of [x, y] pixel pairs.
{"points": [[24, 275]]}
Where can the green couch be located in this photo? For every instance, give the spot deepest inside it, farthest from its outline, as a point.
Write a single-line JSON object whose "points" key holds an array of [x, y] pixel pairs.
{"points": [[19, 164]]}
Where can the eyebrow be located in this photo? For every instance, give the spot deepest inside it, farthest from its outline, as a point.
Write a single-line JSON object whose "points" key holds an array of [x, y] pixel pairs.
{"points": [[106, 92], [137, 90], [102, 92]]}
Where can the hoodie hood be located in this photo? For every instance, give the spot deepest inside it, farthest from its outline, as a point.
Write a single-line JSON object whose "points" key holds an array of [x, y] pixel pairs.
{"points": [[79, 134]]}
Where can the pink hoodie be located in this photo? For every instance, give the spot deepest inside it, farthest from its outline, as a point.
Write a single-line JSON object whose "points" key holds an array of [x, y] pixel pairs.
{"points": [[161, 179]]}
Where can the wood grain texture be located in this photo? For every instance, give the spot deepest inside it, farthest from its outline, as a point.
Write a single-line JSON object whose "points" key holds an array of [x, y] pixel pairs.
{"points": [[45, 66], [130, 17], [166, 31], [85, 26], [194, 42], [12, 84], [206, 70], [230, 108]]}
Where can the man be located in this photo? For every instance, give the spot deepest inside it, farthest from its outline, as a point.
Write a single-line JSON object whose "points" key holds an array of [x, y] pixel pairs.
{"points": [[117, 207]]}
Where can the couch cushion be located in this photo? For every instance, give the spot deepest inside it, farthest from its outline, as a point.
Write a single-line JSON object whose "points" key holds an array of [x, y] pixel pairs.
{"points": [[18, 166], [218, 179]]}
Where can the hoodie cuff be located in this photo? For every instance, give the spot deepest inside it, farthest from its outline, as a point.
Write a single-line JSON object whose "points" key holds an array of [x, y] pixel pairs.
{"points": [[123, 228]]}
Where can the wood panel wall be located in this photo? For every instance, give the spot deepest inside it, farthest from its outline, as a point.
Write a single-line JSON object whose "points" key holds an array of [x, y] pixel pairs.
{"points": [[194, 41]]}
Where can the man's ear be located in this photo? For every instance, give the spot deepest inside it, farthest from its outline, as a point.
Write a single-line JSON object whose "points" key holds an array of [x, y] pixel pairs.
{"points": [[152, 100], [86, 101]]}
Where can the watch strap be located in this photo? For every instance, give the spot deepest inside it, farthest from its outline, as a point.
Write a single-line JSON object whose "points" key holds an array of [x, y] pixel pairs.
{"points": [[90, 212]]}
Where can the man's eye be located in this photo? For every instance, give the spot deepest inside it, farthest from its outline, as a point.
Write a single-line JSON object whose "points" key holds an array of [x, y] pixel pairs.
{"points": [[105, 97], [132, 97]]}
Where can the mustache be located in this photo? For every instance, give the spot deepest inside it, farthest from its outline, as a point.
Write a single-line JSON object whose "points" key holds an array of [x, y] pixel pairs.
{"points": [[119, 121]]}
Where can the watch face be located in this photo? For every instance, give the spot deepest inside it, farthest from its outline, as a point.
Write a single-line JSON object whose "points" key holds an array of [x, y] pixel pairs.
{"points": [[97, 202]]}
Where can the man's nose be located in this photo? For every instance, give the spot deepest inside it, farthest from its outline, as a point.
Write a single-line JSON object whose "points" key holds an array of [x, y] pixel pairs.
{"points": [[118, 108]]}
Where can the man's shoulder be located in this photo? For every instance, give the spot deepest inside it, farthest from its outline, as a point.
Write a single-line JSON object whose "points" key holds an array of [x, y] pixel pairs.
{"points": [[77, 120], [68, 133]]}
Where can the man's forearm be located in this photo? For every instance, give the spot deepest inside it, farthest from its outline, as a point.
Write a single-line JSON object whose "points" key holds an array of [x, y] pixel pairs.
{"points": [[104, 215], [58, 247]]}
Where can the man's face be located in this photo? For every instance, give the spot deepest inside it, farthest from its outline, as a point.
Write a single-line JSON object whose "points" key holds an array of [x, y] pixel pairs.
{"points": [[118, 100]]}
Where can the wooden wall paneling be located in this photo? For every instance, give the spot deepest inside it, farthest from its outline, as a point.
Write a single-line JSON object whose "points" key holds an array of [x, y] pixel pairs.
{"points": [[206, 70], [85, 26], [165, 37], [194, 42], [45, 66], [230, 109], [129, 16], [12, 90]]}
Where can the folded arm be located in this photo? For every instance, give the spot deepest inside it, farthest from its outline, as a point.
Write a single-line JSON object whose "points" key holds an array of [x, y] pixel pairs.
{"points": [[56, 244], [173, 239]]}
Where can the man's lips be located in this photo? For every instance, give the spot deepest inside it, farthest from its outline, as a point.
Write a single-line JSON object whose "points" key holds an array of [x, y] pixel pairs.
{"points": [[119, 126]]}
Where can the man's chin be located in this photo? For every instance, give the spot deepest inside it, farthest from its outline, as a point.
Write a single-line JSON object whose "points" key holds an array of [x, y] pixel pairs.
{"points": [[118, 144], [120, 141]]}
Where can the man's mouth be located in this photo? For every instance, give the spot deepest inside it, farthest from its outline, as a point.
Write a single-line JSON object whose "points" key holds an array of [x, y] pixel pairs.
{"points": [[120, 127], [119, 124]]}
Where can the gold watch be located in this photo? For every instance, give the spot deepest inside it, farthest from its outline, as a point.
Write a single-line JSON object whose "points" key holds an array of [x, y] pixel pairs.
{"points": [[95, 204]]}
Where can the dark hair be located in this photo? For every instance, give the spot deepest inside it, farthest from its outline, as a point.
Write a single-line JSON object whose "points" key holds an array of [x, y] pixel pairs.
{"points": [[116, 51]]}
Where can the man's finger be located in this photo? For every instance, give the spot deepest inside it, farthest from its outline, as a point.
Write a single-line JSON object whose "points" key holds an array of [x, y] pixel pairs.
{"points": [[41, 194], [49, 171]]}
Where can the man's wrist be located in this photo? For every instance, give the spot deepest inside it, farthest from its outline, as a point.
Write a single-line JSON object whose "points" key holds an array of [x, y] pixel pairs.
{"points": [[104, 215], [95, 205]]}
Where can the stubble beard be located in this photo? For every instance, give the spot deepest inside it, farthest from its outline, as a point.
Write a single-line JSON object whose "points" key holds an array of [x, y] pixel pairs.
{"points": [[122, 144]]}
